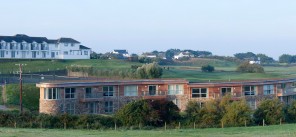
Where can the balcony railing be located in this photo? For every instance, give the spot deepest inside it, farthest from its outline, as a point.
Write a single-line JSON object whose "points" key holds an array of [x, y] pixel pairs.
{"points": [[93, 95], [154, 93], [287, 91]]}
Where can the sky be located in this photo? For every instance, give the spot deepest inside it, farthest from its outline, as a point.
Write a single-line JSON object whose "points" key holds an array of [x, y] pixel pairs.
{"points": [[224, 27]]}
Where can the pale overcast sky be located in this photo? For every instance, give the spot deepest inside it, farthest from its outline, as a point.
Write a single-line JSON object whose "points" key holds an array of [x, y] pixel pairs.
{"points": [[223, 27]]}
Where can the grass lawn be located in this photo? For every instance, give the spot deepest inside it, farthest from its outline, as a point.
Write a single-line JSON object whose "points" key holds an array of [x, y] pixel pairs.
{"points": [[268, 131]]}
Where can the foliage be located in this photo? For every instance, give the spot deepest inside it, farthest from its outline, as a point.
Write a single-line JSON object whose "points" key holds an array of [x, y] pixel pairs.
{"points": [[207, 68], [237, 113], [169, 54], [167, 111], [286, 58], [250, 68], [135, 113], [245, 56], [152, 70], [270, 110], [264, 59], [290, 112], [30, 95]]}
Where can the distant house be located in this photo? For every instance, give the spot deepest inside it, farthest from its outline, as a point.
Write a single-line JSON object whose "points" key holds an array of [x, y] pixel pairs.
{"points": [[257, 61], [183, 54], [149, 55], [124, 53]]}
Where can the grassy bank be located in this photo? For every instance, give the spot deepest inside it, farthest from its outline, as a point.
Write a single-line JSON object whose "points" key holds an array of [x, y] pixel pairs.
{"points": [[267, 131]]}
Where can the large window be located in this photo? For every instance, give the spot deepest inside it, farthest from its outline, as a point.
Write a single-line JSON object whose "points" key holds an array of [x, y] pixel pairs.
{"points": [[226, 90], [88, 93], [152, 89], [85, 52], [268, 89], [108, 90], [175, 89], [2, 53], [51, 93], [249, 90], [92, 107], [199, 93], [108, 106], [130, 90], [70, 108], [69, 92]]}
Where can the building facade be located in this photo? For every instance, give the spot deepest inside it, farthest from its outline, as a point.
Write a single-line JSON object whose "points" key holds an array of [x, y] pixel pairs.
{"points": [[107, 96], [22, 46]]}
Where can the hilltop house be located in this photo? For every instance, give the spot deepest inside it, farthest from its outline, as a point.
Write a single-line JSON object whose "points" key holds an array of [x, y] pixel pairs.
{"points": [[124, 53], [22, 46], [183, 54]]}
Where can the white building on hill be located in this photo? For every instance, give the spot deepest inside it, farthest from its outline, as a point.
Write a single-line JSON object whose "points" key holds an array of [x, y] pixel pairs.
{"points": [[22, 46]]}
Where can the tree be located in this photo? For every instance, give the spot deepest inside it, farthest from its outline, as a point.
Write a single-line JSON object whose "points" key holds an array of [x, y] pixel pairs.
{"points": [[169, 54], [270, 110], [264, 59], [167, 111], [291, 112], [236, 114], [151, 70], [286, 58], [135, 113], [246, 67], [193, 111], [244, 56], [207, 68]]}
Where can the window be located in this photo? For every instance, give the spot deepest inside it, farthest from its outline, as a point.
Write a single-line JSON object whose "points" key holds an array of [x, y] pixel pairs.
{"points": [[12, 54], [252, 104], [293, 84], [70, 108], [199, 93], [152, 89], [268, 89], [69, 92], [108, 90], [130, 90], [34, 54], [85, 52], [175, 89], [249, 90], [72, 44], [66, 44], [177, 102], [2, 54], [66, 53], [51, 93], [88, 93], [92, 107], [226, 90], [108, 106], [43, 54]]}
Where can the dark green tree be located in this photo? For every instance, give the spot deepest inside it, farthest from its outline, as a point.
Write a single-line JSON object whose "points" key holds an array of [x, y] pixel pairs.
{"points": [[207, 68], [270, 110], [286, 58], [245, 56]]}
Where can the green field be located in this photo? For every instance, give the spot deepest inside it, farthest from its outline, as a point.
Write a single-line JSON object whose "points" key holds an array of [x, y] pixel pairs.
{"points": [[225, 70], [267, 131]]}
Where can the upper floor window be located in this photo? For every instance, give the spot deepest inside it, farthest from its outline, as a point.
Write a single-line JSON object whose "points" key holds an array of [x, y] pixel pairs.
{"points": [[199, 93], [249, 90], [152, 89], [85, 52], [66, 44], [130, 90], [226, 90], [69, 92], [268, 89], [108, 90], [51, 93], [72, 44], [175, 89], [88, 93]]}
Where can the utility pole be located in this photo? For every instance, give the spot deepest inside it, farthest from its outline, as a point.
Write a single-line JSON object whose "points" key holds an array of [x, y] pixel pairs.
{"points": [[21, 86]]}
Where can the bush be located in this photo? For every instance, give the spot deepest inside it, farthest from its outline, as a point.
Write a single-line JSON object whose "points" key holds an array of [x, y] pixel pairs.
{"points": [[290, 112], [270, 110], [250, 68], [207, 68], [151, 70]]}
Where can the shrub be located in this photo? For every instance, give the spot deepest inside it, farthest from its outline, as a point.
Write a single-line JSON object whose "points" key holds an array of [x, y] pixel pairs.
{"points": [[291, 112], [250, 68], [270, 110], [207, 68], [151, 70]]}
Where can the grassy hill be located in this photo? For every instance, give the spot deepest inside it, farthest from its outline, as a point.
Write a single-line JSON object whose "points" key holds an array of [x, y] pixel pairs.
{"points": [[190, 70]]}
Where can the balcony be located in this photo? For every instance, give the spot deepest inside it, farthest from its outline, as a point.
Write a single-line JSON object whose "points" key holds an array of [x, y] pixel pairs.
{"points": [[91, 97], [286, 92], [154, 94]]}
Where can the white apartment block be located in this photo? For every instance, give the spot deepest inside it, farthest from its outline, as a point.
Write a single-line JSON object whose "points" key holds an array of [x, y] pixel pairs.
{"points": [[22, 46]]}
